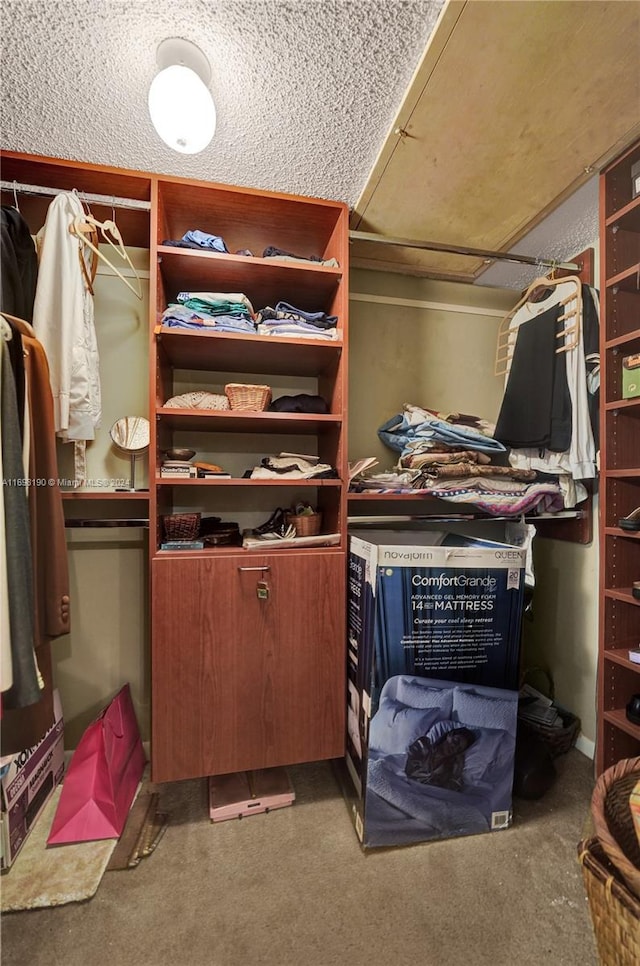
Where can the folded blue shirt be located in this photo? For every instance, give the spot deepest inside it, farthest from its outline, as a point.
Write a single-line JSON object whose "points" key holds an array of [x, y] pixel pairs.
{"points": [[205, 240]]}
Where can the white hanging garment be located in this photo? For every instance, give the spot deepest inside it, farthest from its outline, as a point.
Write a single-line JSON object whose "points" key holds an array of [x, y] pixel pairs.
{"points": [[63, 318]]}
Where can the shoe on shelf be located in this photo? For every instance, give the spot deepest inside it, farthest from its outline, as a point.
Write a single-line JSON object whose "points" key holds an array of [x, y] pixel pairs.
{"points": [[631, 521], [276, 527]]}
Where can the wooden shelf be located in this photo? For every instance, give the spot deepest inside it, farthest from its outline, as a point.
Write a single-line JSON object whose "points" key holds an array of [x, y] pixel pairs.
{"points": [[271, 355], [620, 656], [619, 532], [235, 551], [627, 218], [252, 483], [623, 594], [630, 406], [625, 341], [618, 718], [624, 474], [627, 280], [223, 421], [265, 281]]}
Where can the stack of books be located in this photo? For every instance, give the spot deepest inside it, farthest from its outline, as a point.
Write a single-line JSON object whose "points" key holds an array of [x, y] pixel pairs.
{"points": [[210, 471], [178, 470]]}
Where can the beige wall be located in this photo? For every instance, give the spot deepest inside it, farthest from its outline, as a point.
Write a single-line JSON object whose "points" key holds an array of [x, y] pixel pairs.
{"points": [[445, 360], [108, 643], [434, 358], [563, 636]]}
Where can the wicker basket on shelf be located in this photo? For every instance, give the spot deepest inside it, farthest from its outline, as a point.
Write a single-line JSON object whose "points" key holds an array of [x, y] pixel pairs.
{"points": [[614, 909], [613, 820], [306, 524], [181, 526], [241, 396]]}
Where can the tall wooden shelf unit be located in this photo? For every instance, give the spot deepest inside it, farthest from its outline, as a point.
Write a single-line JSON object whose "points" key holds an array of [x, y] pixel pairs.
{"points": [[618, 677], [238, 682]]}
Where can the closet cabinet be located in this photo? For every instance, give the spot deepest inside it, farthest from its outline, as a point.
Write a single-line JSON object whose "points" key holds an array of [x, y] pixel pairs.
{"points": [[618, 677], [248, 647], [260, 680]]}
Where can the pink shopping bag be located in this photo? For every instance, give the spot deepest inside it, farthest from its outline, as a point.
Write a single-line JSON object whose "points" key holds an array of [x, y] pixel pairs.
{"points": [[102, 778]]}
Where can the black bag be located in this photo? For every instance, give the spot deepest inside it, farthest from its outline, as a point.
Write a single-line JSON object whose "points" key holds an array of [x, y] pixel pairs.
{"points": [[439, 762]]}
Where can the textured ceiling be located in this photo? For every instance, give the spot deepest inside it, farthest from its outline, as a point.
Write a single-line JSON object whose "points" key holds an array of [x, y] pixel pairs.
{"points": [[305, 90]]}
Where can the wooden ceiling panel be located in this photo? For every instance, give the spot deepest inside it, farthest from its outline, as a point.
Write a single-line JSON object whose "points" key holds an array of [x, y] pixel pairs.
{"points": [[512, 108]]}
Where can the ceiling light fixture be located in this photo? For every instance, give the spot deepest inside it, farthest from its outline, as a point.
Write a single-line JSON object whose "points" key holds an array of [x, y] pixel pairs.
{"points": [[180, 103]]}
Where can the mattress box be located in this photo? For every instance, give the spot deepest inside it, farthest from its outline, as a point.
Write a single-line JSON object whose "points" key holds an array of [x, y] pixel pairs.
{"points": [[434, 624], [27, 782]]}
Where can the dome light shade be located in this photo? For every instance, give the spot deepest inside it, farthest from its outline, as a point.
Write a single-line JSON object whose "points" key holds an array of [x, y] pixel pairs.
{"points": [[180, 103]]}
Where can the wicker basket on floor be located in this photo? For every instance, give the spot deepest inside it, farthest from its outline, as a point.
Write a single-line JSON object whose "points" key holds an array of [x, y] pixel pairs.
{"points": [[613, 820], [557, 740], [306, 524], [614, 909], [254, 398]]}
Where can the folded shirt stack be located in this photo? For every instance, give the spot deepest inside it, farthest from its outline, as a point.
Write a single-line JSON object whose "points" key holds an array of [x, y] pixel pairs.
{"points": [[287, 320], [198, 239], [281, 256], [222, 311]]}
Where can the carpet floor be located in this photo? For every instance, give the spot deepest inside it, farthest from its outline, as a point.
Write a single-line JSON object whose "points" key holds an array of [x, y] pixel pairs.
{"points": [[293, 888]]}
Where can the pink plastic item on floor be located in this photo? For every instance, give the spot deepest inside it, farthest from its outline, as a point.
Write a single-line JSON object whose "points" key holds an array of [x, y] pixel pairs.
{"points": [[102, 778]]}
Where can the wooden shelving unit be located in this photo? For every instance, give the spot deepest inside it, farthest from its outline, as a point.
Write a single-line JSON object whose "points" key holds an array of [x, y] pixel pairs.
{"points": [[248, 646], [618, 677]]}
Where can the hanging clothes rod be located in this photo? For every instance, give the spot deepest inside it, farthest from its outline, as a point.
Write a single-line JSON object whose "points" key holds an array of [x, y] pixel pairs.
{"points": [[461, 250], [109, 200]]}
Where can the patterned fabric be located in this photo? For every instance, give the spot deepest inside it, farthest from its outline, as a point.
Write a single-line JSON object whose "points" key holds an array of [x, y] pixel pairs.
{"points": [[492, 496]]}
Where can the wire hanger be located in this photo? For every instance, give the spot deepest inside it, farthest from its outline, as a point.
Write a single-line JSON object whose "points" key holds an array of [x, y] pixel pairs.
{"points": [[15, 196], [88, 265], [571, 319], [82, 227]]}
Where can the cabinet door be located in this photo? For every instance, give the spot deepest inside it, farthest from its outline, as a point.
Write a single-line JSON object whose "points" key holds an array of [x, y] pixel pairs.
{"points": [[242, 682]]}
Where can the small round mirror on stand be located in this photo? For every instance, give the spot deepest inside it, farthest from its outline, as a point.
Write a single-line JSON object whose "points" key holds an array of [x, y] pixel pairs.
{"points": [[131, 435]]}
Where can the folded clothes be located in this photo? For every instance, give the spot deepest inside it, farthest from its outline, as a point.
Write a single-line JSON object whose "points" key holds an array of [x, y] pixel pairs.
{"points": [[285, 311], [271, 251], [181, 316], [180, 243], [282, 256], [441, 456], [465, 469], [204, 240], [216, 303], [409, 432], [293, 331]]}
